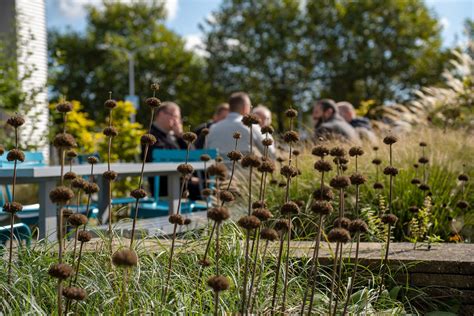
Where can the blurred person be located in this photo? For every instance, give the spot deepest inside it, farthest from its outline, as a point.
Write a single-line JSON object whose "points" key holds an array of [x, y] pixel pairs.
{"points": [[328, 122], [264, 114], [220, 114], [220, 134], [361, 124]]}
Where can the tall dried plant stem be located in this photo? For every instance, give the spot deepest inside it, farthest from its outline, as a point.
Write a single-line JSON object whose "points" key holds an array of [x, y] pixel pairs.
{"points": [[259, 278], [12, 217], [277, 272], [216, 301], [354, 273], [333, 278], [109, 150], [385, 260]]}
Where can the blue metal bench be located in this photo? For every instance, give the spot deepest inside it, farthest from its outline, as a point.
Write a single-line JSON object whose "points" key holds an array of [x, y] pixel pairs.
{"points": [[21, 232]]}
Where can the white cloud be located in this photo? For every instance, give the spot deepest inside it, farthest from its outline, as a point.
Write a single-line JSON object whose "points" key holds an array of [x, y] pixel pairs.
{"points": [[76, 8], [444, 22], [194, 43]]}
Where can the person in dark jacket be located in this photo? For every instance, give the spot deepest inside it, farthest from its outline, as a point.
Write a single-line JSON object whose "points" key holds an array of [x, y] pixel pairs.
{"points": [[329, 124], [361, 124], [220, 114]]}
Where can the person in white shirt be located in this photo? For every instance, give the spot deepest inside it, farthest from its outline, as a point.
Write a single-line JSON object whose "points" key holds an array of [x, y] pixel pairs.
{"points": [[220, 134]]}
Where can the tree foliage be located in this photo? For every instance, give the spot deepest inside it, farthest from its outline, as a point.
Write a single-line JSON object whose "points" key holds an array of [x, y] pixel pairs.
{"points": [[83, 70]]}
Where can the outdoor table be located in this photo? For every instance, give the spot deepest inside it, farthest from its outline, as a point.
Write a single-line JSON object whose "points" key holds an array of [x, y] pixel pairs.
{"points": [[48, 176]]}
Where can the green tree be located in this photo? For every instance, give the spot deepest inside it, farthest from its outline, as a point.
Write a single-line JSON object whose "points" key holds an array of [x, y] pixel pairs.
{"points": [[285, 53], [83, 70]]}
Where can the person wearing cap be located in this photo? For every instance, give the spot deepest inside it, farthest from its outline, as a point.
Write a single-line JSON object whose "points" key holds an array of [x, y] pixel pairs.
{"points": [[329, 124]]}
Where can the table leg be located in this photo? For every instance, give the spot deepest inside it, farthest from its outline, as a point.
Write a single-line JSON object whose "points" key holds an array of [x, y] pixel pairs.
{"points": [[103, 202], [47, 212], [173, 192]]}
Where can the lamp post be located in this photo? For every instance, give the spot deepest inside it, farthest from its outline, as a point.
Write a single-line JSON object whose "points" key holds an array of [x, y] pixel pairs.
{"points": [[131, 97]]}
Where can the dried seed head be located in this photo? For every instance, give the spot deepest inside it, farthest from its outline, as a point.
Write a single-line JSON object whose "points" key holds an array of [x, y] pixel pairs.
{"points": [[320, 151], [77, 219], [462, 204], [358, 226], [358, 179], [415, 165], [218, 283], [343, 222], [289, 171], [79, 183], [269, 234], [155, 86], [463, 177], [204, 262], [325, 194], [187, 221], [250, 119], [226, 196], [356, 151], [185, 169], [12, 207], [234, 155], [262, 214], [185, 194], [236, 135], [110, 175], [176, 219], [281, 159], [60, 271], [148, 139], [267, 166], [390, 140], [71, 154], [205, 157], [74, 293], [322, 165], [291, 137], [282, 225], [84, 236], [423, 144], [218, 169], [249, 222], [282, 184], [250, 160], [64, 107], [61, 195], [91, 188], [125, 258], [375, 148], [110, 131], [424, 187], [218, 214], [340, 161], [110, 104], [291, 113], [206, 192], [153, 102], [413, 209], [390, 171], [16, 121], [296, 152], [273, 182], [340, 182], [189, 137], [321, 207], [378, 186], [92, 160], [267, 142], [415, 181], [339, 235], [376, 161], [259, 204], [337, 152], [64, 140], [389, 219], [423, 160], [70, 175], [205, 131], [15, 154], [138, 194], [289, 207], [267, 129]]}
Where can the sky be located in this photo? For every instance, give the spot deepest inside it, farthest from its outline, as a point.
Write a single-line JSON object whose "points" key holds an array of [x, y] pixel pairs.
{"points": [[184, 16]]}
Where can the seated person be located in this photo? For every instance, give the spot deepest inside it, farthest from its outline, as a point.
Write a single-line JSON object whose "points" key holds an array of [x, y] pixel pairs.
{"points": [[361, 124], [168, 128], [264, 114], [220, 114], [329, 124]]}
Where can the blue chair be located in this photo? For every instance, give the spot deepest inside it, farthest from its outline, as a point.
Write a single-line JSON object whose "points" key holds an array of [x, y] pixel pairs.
{"points": [[21, 232], [29, 214], [159, 207]]}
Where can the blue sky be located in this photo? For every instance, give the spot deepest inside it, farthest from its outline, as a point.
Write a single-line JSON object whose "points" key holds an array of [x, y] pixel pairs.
{"points": [[185, 15]]}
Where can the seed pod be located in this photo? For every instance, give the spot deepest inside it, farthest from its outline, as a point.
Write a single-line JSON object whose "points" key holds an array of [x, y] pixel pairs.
{"points": [[16, 154], [262, 214], [267, 166], [187, 221], [462, 204], [79, 183], [153, 102], [424, 187], [60, 271], [61, 195], [148, 139], [423, 160], [206, 192], [289, 171], [185, 169], [322, 166], [110, 104], [70, 175], [291, 113], [415, 181], [282, 225], [138, 194], [74, 293], [390, 171], [358, 226], [92, 160], [250, 160], [289, 207], [325, 194], [389, 219], [64, 107], [218, 283], [250, 119], [340, 182], [110, 175], [337, 152], [378, 186], [218, 214], [463, 177], [358, 179], [125, 258], [218, 169], [16, 121], [423, 144], [234, 155], [267, 129], [176, 219], [390, 140], [205, 131], [291, 137], [259, 204], [205, 157], [343, 222], [64, 140], [236, 135], [356, 151], [320, 151], [91, 188], [376, 161], [77, 219], [12, 207], [413, 209], [110, 131], [84, 236], [375, 148], [269, 234], [226, 196], [340, 161], [267, 142], [321, 207], [189, 137], [204, 262], [249, 222], [339, 235]]}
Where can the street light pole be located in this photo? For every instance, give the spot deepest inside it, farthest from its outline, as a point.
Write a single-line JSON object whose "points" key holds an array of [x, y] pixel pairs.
{"points": [[131, 81]]}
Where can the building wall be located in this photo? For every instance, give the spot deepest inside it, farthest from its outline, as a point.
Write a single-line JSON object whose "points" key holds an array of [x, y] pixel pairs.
{"points": [[32, 54]]}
